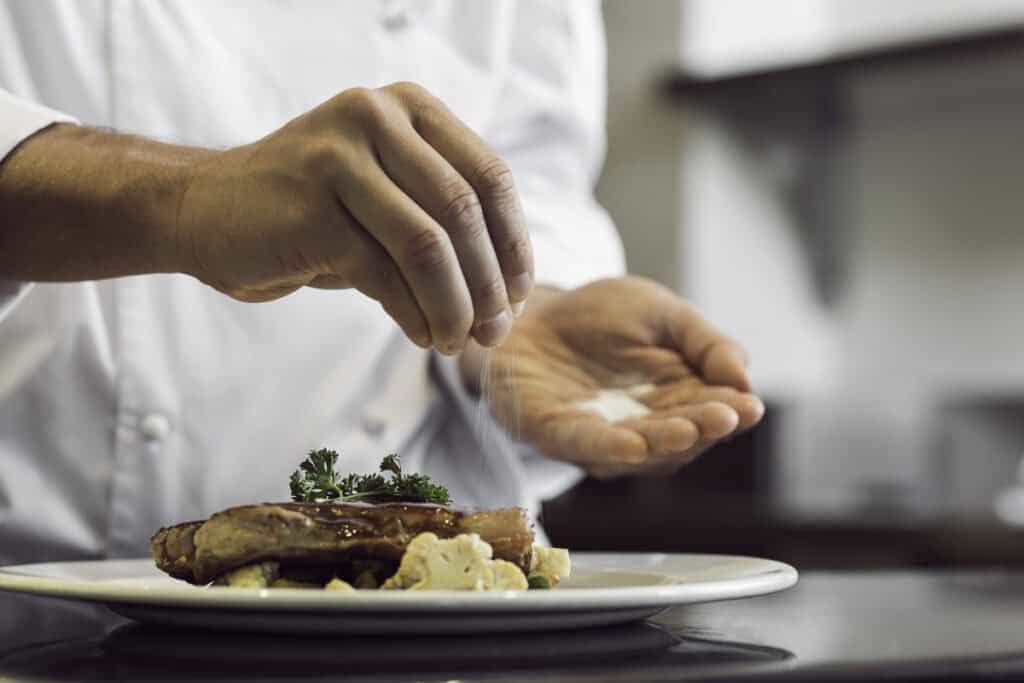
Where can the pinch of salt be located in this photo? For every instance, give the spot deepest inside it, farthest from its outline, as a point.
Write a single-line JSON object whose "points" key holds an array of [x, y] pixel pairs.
{"points": [[615, 405]]}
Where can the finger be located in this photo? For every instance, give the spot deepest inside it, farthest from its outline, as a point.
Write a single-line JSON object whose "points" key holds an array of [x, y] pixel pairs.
{"points": [[748, 407], [585, 438], [605, 472], [656, 364], [719, 359], [420, 248], [437, 187], [669, 436], [660, 469], [490, 178], [715, 420], [726, 363], [374, 274]]}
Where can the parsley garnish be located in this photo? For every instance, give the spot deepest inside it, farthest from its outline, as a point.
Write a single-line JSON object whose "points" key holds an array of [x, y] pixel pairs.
{"points": [[316, 481]]}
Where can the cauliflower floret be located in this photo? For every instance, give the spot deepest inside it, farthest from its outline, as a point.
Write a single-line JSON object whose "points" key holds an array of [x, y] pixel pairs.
{"points": [[250, 576], [460, 563], [551, 563], [508, 577], [337, 584]]}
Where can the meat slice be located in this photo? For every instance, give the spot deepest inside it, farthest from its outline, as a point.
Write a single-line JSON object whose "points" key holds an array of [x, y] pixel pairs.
{"points": [[309, 534], [174, 550]]}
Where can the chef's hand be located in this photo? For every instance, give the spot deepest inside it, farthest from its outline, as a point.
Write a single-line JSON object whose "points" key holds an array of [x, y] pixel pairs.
{"points": [[380, 190], [385, 191], [617, 334]]}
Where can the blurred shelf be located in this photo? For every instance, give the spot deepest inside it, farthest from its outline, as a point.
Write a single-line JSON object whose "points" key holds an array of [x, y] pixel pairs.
{"points": [[726, 502], [592, 517], [987, 44]]}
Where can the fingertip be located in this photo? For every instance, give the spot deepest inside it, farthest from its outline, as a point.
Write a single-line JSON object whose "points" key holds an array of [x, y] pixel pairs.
{"points": [[753, 410], [685, 432], [448, 348], [492, 332], [630, 446], [519, 287], [719, 420], [726, 364]]}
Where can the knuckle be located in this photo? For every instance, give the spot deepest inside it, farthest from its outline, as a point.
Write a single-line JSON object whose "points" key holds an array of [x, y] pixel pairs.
{"points": [[427, 251], [407, 91], [515, 248], [355, 97], [490, 290], [365, 106], [462, 212], [494, 178], [321, 157]]}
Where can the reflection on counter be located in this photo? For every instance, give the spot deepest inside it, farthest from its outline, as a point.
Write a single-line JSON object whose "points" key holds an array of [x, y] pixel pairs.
{"points": [[135, 652]]}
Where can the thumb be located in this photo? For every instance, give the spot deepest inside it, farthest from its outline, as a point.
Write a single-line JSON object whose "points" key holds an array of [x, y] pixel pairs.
{"points": [[719, 359], [726, 363]]}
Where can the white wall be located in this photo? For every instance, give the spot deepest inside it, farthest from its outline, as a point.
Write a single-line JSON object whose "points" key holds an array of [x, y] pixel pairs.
{"points": [[642, 172], [729, 36]]}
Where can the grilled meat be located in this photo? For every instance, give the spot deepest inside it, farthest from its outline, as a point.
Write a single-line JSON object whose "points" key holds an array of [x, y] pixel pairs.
{"points": [[324, 535]]}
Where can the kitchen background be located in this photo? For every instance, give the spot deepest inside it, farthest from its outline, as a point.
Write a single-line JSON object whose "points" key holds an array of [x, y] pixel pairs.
{"points": [[840, 186]]}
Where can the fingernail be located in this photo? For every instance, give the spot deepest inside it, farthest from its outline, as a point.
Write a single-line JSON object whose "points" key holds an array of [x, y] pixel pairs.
{"points": [[449, 349], [519, 286], [518, 308], [492, 331]]}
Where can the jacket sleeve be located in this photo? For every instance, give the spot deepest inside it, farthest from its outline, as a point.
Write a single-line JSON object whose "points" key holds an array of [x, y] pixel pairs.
{"points": [[550, 128], [19, 120]]}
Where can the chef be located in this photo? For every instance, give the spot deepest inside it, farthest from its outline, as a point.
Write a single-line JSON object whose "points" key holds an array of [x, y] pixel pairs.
{"points": [[232, 232]]}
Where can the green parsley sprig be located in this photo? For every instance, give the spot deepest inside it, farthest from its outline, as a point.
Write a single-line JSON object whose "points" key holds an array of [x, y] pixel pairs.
{"points": [[316, 481]]}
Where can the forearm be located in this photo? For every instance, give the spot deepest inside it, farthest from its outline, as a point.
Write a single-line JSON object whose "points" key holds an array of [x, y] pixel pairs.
{"points": [[81, 204]]}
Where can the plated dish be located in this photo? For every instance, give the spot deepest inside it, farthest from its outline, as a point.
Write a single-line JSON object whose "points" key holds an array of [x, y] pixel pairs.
{"points": [[383, 531], [603, 589], [385, 554]]}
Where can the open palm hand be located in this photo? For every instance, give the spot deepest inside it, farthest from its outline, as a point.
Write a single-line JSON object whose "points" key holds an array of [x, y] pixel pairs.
{"points": [[680, 385]]}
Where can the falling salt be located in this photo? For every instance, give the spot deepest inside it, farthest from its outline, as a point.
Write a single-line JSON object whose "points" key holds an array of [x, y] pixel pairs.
{"points": [[615, 405]]}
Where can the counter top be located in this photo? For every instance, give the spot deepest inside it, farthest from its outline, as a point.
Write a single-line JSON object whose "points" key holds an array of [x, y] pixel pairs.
{"points": [[831, 626]]}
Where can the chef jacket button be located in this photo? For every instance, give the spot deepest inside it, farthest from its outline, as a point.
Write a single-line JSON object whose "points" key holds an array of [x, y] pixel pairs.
{"points": [[373, 426], [155, 427], [395, 19]]}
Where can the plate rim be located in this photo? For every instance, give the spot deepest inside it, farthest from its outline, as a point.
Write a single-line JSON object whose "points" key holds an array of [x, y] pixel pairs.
{"points": [[777, 576]]}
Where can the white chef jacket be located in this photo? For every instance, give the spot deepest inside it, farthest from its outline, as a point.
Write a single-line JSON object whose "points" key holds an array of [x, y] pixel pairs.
{"points": [[131, 403]]}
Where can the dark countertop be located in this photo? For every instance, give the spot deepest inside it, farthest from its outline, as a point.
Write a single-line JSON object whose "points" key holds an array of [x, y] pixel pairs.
{"points": [[942, 625]]}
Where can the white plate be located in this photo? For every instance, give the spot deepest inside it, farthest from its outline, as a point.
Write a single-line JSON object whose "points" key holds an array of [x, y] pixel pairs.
{"points": [[604, 589]]}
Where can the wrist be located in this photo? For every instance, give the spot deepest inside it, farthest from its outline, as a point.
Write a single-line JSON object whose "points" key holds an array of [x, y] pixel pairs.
{"points": [[154, 189], [83, 204]]}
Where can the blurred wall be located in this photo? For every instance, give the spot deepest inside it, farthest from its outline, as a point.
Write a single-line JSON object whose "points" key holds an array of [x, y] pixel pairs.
{"points": [[641, 178], [933, 310]]}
